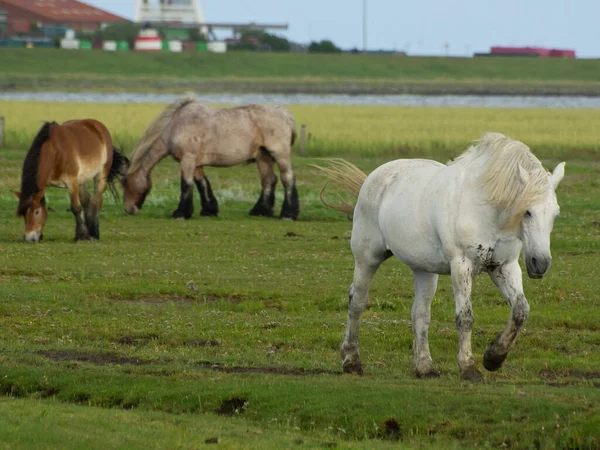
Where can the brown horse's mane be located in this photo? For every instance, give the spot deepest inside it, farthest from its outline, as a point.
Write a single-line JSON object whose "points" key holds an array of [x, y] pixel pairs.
{"points": [[29, 185]]}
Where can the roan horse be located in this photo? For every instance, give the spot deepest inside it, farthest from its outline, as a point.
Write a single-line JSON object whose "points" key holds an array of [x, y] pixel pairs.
{"points": [[69, 155], [471, 216], [198, 136]]}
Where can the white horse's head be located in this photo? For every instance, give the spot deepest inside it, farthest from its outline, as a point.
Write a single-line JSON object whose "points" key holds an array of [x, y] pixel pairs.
{"points": [[537, 223]]}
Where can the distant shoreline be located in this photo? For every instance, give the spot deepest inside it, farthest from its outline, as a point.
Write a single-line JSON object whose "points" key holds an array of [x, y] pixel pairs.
{"points": [[84, 84]]}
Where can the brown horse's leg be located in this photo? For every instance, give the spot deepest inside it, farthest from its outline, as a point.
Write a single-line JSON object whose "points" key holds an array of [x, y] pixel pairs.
{"points": [[84, 199], [291, 204], [210, 206], [185, 209], [266, 202], [81, 230], [100, 183]]}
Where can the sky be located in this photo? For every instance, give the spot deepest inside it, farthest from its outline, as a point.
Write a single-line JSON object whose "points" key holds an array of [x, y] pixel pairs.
{"points": [[419, 27]]}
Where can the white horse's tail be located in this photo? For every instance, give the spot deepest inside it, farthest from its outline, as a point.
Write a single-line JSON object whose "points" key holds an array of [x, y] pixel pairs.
{"points": [[153, 132], [347, 176]]}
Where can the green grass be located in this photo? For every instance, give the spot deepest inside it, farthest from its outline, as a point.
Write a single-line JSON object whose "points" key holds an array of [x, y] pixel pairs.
{"points": [[241, 71], [143, 339]]}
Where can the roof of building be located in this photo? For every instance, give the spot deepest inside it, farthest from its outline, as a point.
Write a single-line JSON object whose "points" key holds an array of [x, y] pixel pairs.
{"points": [[67, 10]]}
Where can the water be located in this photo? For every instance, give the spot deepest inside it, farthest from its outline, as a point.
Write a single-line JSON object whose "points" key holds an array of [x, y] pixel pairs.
{"points": [[470, 101]]}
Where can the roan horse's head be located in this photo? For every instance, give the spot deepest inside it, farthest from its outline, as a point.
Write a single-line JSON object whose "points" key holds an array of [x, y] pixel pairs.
{"points": [[34, 211], [537, 224], [136, 187]]}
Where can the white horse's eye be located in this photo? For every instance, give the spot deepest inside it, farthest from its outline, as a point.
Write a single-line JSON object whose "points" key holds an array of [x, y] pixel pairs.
{"points": [[527, 213]]}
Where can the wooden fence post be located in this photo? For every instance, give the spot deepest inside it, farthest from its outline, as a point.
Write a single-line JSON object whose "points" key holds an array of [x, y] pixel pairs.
{"points": [[302, 140], [1, 131]]}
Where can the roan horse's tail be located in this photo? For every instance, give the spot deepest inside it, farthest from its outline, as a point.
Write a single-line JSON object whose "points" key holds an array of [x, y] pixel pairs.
{"points": [[118, 172], [154, 131], [347, 176]]}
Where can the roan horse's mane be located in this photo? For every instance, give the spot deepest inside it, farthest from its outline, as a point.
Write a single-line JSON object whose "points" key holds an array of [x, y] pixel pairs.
{"points": [[153, 132], [500, 176], [29, 185]]}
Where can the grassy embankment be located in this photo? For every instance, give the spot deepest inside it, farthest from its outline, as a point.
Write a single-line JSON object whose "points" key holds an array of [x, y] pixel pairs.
{"points": [[167, 333], [53, 69]]}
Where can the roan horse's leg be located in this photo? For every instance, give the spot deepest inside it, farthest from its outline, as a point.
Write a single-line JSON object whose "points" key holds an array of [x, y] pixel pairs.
{"points": [[462, 279], [81, 230], [210, 206], [509, 281], [266, 202], [291, 206], [186, 202], [365, 267], [425, 287]]}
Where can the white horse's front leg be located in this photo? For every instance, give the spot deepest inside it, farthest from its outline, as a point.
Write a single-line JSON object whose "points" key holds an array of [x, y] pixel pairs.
{"points": [[508, 279], [462, 280]]}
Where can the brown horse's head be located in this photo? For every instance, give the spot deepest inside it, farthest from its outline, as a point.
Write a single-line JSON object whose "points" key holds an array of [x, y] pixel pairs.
{"points": [[34, 211], [135, 189]]}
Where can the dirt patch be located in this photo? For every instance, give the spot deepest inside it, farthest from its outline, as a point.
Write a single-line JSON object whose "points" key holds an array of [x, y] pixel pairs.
{"points": [[218, 367], [135, 340], [232, 406], [100, 359], [201, 343], [158, 299], [390, 430], [292, 234], [212, 298], [550, 374], [181, 300]]}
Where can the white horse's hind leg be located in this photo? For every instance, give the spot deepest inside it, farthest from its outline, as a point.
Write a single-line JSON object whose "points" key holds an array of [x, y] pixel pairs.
{"points": [[364, 270], [462, 280], [425, 287], [509, 281]]}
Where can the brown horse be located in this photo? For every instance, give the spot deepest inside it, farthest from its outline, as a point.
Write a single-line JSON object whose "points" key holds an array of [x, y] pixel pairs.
{"points": [[69, 155], [198, 136]]}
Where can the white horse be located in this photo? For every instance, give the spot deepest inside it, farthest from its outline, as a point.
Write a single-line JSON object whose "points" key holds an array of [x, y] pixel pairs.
{"points": [[471, 216]]}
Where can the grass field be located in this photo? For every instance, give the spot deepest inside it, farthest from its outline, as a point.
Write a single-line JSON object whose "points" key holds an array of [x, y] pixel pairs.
{"points": [[357, 131], [53, 69], [166, 334]]}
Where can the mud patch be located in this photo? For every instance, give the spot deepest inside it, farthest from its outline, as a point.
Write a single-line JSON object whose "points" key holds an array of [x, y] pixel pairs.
{"points": [[390, 430], [201, 343], [159, 299], [232, 406], [299, 371], [550, 374], [292, 234], [135, 340], [213, 298], [100, 359]]}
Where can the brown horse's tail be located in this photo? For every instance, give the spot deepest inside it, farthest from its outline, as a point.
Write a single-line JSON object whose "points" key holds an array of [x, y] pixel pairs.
{"points": [[154, 132], [347, 176], [118, 172]]}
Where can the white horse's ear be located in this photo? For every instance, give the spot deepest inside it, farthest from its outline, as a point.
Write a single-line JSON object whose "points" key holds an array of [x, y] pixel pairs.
{"points": [[558, 174], [523, 175]]}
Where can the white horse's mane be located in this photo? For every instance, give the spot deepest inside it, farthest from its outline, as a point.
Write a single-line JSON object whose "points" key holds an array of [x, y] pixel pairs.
{"points": [[500, 175]]}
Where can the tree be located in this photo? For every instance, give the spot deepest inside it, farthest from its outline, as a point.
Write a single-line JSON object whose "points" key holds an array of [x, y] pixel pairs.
{"points": [[259, 40], [197, 36], [324, 46], [126, 31]]}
